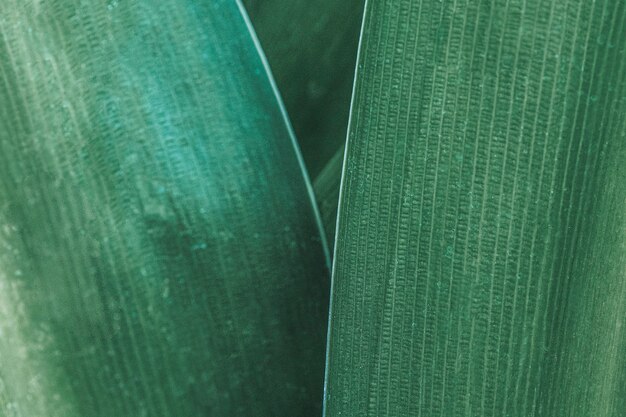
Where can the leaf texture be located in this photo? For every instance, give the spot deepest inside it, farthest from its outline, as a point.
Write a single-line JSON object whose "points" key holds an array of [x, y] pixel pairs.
{"points": [[161, 255], [480, 260]]}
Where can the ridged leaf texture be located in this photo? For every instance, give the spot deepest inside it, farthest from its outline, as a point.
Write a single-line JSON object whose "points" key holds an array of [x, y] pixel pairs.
{"points": [[480, 264], [161, 255]]}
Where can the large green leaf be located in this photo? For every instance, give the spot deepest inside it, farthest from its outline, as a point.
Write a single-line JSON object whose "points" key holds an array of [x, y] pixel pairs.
{"points": [[480, 261], [311, 47], [160, 252]]}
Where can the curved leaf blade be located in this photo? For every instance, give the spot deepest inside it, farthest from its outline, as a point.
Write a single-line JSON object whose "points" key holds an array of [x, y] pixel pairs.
{"points": [[474, 269], [161, 253]]}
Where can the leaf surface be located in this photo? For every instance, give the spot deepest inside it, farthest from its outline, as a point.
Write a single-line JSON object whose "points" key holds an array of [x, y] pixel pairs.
{"points": [[161, 255], [480, 258]]}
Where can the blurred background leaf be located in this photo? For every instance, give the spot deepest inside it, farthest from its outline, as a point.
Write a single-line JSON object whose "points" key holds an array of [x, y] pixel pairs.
{"points": [[326, 186], [161, 255], [480, 260], [311, 47]]}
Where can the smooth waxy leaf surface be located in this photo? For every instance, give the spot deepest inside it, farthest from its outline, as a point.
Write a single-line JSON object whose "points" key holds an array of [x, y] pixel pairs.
{"points": [[160, 252], [311, 47], [480, 262]]}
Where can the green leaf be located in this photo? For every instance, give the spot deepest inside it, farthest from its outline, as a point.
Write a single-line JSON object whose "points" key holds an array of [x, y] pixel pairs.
{"points": [[161, 255], [480, 266], [311, 47]]}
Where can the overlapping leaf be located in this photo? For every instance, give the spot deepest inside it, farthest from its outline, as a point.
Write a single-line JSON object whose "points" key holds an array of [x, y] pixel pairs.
{"points": [[480, 263], [160, 252]]}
